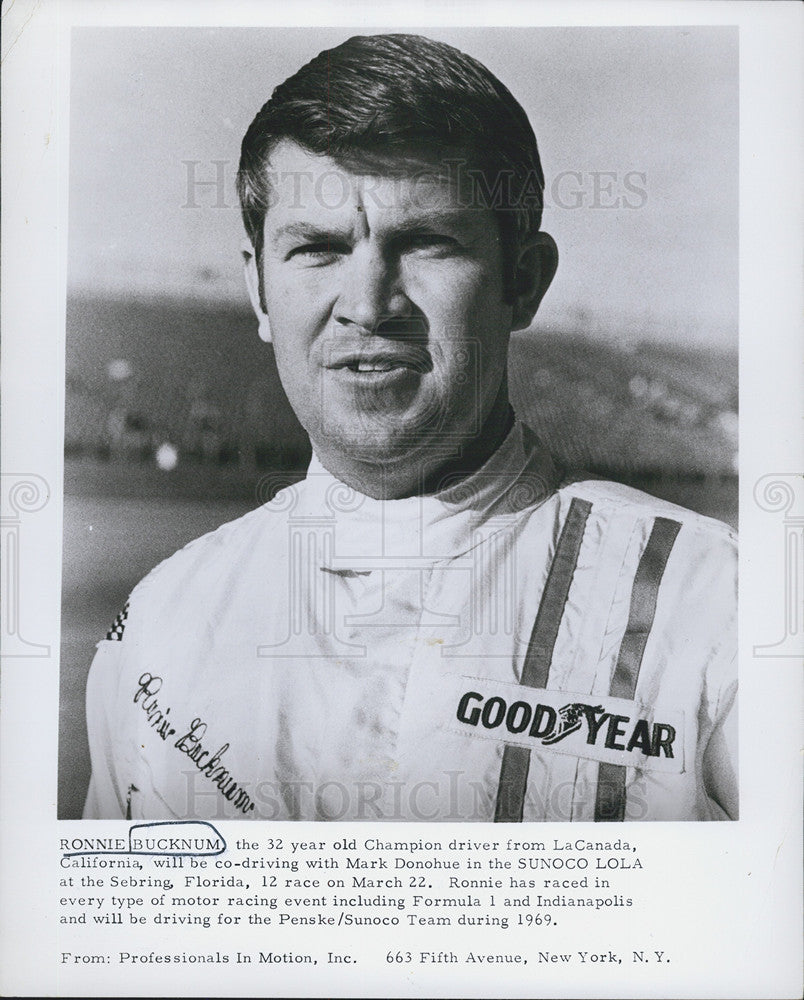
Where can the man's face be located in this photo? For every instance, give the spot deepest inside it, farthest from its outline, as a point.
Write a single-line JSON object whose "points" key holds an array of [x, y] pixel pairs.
{"points": [[386, 305]]}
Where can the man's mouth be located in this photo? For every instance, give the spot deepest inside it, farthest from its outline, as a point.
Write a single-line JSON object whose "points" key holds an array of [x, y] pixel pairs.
{"points": [[367, 364], [375, 366]]}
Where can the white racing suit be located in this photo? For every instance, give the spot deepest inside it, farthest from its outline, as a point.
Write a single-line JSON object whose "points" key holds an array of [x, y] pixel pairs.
{"points": [[508, 649]]}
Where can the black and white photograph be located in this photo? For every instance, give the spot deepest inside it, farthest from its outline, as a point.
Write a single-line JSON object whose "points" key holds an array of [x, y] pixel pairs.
{"points": [[483, 566], [384, 388]]}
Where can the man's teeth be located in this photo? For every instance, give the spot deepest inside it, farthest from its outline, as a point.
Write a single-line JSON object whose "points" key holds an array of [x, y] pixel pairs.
{"points": [[377, 366]]}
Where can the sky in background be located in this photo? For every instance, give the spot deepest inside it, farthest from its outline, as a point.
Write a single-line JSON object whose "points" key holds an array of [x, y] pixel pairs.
{"points": [[647, 116]]}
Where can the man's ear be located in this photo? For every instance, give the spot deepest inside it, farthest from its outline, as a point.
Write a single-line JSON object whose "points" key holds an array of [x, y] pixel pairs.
{"points": [[535, 268], [253, 285]]}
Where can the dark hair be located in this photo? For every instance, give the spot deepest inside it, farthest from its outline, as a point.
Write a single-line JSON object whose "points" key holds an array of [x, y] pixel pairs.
{"points": [[383, 97]]}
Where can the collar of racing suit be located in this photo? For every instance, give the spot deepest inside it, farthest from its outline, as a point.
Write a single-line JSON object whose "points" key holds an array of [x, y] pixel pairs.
{"points": [[518, 476]]}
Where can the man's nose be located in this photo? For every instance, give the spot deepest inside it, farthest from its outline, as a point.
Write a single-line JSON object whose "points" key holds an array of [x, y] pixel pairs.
{"points": [[370, 292]]}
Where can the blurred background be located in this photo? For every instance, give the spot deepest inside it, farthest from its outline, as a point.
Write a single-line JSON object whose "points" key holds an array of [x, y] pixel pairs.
{"points": [[175, 419]]}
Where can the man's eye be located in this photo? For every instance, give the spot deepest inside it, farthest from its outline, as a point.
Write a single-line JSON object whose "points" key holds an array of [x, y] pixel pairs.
{"points": [[318, 252], [433, 242]]}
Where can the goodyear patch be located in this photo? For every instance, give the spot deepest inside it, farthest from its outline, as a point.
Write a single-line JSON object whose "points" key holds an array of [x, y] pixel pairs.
{"points": [[603, 728]]}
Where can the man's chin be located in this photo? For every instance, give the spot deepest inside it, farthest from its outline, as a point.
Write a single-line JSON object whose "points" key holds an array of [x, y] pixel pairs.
{"points": [[379, 446]]}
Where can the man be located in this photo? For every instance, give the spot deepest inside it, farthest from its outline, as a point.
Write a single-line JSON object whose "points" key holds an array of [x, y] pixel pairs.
{"points": [[437, 623]]}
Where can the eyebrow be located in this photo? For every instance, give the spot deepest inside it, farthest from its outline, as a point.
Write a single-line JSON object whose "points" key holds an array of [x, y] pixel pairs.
{"points": [[309, 233], [426, 224], [434, 223]]}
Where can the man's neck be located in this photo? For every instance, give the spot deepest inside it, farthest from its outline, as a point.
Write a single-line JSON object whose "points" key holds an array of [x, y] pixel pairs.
{"points": [[421, 474]]}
